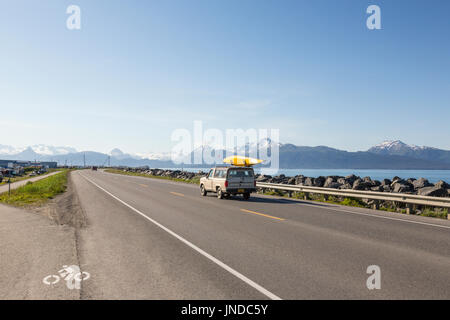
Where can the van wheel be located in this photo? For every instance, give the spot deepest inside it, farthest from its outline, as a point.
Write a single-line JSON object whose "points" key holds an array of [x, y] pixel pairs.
{"points": [[246, 196], [203, 191], [219, 193]]}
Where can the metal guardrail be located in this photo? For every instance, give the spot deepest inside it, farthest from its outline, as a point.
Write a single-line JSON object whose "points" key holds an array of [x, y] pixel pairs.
{"points": [[372, 195]]}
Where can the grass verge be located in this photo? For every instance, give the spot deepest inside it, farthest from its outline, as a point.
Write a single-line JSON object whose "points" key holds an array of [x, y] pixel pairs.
{"points": [[38, 192], [196, 180], [442, 214]]}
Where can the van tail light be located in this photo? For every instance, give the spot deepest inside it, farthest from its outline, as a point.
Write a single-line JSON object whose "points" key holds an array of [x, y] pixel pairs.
{"points": [[226, 184], [254, 183]]}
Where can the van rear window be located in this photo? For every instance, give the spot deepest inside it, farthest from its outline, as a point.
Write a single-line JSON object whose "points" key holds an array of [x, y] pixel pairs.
{"points": [[240, 173]]}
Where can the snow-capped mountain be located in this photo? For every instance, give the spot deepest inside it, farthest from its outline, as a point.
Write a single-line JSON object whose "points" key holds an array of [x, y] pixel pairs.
{"points": [[399, 148], [40, 149], [51, 150], [387, 155], [394, 147], [118, 154], [249, 148], [217, 152], [155, 155]]}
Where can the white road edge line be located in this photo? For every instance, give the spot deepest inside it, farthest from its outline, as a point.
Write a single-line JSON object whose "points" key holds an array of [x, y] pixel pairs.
{"points": [[193, 246], [381, 217]]}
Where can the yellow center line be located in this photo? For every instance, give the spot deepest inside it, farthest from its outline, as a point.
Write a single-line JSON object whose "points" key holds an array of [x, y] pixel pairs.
{"points": [[178, 194], [262, 214], [143, 185]]}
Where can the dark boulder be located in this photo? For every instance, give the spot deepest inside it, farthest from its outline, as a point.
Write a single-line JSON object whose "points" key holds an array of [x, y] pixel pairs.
{"points": [[442, 184], [319, 181], [398, 181], [309, 182], [361, 185], [433, 192], [351, 179], [421, 183], [300, 179], [346, 186], [275, 180], [402, 187], [334, 185], [376, 183], [263, 178], [377, 189], [190, 175], [386, 182], [328, 181]]}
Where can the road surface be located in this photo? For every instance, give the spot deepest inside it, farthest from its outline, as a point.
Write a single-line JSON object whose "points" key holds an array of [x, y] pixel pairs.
{"points": [[157, 239]]}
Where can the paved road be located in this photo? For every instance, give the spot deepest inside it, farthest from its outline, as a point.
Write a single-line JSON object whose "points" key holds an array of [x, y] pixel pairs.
{"points": [[156, 239], [14, 185]]}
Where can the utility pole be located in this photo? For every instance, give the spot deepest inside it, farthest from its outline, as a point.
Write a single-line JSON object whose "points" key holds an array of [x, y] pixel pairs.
{"points": [[84, 160], [109, 161]]}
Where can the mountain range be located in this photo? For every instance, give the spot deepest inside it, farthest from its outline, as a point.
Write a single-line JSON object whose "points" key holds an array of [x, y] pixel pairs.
{"points": [[387, 155]]}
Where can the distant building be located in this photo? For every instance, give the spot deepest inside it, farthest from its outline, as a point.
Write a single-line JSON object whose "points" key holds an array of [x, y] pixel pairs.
{"points": [[21, 163]]}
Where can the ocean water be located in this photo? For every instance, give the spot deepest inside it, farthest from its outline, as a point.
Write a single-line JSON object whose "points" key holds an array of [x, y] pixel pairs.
{"points": [[431, 175]]}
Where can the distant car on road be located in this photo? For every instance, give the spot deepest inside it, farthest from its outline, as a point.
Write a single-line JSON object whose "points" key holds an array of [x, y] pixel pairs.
{"points": [[94, 168], [228, 181]]}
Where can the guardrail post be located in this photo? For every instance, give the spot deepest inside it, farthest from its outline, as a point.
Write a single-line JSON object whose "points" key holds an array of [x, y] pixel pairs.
{"points": [[408, 208], [290, 194], [306, 196], [376, 205]]}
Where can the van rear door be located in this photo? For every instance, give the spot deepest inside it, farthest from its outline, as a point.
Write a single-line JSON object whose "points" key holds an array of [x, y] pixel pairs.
{"points": [[241, 178]]}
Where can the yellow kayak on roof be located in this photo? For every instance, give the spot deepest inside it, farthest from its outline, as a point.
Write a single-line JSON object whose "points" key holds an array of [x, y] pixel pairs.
{"points": [[241, 161]]}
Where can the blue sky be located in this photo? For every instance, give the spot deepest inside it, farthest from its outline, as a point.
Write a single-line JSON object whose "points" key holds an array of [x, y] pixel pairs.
{"points": [[137, 70]]}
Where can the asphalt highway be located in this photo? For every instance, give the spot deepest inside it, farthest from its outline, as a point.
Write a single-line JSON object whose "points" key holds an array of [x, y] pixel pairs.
{"points": [[157, 239]]}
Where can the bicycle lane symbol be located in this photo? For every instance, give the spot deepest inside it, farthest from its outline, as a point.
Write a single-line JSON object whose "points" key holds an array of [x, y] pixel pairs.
{"points": [[71, 274]]}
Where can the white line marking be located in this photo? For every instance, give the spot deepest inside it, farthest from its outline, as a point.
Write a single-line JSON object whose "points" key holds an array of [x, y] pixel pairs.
{"points": [[193, 246], [380, 216]]}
